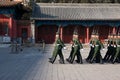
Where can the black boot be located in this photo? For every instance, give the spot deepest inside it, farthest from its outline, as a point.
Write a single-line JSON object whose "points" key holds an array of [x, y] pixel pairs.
{"points": [[61, 61], [51, 61], [77, 61], [68, 60], [50, 58]]}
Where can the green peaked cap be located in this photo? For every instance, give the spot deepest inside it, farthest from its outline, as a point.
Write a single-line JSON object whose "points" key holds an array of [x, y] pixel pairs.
{"points": [[58, 31], [75, 31]]}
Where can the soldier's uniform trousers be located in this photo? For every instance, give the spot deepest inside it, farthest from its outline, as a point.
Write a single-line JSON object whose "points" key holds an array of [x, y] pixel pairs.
{"points": [[97, 55], [57, 51], [71, 53], [88, 59], [108, 53], [76, 53], [116, 55]]}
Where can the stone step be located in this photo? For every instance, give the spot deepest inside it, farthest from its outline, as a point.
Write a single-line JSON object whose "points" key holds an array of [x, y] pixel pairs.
{"points": [[5, 45]]}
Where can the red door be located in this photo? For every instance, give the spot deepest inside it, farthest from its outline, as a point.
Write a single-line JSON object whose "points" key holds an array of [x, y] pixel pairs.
{"points": [[24, 34]]}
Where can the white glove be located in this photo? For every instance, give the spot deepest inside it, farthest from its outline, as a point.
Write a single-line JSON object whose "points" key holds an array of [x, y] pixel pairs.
{"points": [[90, 44], [81, 49], [103, 49], [64, 48]]}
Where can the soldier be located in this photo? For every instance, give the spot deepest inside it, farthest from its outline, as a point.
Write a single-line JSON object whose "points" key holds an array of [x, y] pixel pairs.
{"points": [[14, 46], [97, 47], [117, 52], [71, 53], [92, 47], [76, 49], [109, 47], [57, 50], [114, 48]]}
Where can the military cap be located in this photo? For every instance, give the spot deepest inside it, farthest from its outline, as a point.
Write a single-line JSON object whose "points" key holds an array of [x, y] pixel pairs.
{"points": [[57, 33], [118, 34], [75, 31], [93, 33]]}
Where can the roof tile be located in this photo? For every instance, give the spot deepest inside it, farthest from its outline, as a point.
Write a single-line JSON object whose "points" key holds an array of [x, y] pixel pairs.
{"points": [[76, 12]]}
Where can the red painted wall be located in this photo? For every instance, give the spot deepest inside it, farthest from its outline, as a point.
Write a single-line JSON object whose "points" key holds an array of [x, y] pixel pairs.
{"points": [[14, 26], [21, 25], [68, 33], [3, 19], [47, 33]]}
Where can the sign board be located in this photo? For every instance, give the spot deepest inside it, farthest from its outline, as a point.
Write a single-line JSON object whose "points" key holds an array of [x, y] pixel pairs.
{"points": [[1, 39], [6, 39]]}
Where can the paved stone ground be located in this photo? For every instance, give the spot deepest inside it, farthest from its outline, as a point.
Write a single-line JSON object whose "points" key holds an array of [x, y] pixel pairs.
{"points": [[32, 64]]}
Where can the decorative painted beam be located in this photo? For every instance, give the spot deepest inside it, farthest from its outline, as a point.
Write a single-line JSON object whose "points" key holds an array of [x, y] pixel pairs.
{"points": [[76, 22]]}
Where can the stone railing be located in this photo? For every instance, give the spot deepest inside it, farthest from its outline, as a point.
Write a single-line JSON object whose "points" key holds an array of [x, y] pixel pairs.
{"points": [[5, 39]]}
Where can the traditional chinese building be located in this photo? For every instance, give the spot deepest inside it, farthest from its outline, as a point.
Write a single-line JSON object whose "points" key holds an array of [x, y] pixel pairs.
{"points": [[47, 17], [11, 22]]}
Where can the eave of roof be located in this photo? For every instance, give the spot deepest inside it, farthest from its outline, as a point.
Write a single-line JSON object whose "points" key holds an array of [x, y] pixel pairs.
{"points": [[32, 18], [9, 3]]}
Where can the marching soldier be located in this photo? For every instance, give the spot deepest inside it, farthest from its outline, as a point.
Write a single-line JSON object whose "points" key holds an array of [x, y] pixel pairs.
{"points": [[114, 48], [57, 50], [71, 53], [14, 46], [110, 48], [91, 47], [117, 52], [97, 47], [75, 50]]}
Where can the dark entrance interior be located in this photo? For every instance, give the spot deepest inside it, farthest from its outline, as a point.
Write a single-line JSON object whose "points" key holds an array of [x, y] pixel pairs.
{"points": [[46, 33], [24, 34]]}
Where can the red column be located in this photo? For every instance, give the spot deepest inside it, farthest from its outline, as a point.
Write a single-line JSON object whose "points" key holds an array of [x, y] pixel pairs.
{"points": [[10, 27], [87, 34], [61, 32], [14, 29], [114, 30]]}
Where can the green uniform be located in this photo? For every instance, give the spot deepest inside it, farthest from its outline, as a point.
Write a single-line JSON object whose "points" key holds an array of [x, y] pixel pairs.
{"points": [[91, 50], [77, 46], [113, 49], [97, 55], [71, 53], [117, 53], [109, 51], [58, 51]]}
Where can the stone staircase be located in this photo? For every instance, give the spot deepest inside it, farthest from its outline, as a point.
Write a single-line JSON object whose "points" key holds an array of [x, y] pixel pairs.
{"points": [[4, 45]]}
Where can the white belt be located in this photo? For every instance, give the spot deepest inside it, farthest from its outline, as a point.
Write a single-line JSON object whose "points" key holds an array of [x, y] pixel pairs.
{"points": [[75, 45], [58, 44], [111, 45], [96, 45], [118, 45], [114, 46]]}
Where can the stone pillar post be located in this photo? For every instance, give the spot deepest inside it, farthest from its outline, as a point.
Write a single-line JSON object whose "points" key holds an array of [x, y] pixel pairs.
{"points": [[87, 34], [33, 31]]}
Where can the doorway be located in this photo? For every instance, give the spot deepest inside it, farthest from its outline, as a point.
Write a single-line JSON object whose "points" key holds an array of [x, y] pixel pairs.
{"points": [[24, 34]]}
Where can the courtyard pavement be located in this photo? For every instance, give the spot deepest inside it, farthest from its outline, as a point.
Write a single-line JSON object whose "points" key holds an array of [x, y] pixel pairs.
{"points": [[32, 64]]}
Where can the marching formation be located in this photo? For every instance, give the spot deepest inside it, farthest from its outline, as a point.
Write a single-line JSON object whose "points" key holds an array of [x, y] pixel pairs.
{"points": [[112, 55]]}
